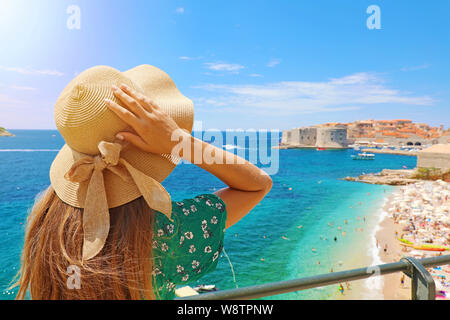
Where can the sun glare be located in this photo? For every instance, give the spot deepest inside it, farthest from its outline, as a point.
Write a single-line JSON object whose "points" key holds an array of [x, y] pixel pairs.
{"points": [[9, 16]]}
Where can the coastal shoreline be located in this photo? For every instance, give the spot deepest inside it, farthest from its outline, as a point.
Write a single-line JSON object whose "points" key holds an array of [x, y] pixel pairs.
{"points": [[284, 147], [389, 151], [385, 236], [371, 288], [395, 225]]}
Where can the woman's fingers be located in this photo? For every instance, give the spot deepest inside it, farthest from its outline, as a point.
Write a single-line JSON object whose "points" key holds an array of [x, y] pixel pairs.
{"points": [[131, 103], [123, 113], [133, 139], [145, 102]]}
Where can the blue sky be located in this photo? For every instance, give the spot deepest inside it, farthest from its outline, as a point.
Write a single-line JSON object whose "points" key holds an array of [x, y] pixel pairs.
{"points": [[245, 64]]}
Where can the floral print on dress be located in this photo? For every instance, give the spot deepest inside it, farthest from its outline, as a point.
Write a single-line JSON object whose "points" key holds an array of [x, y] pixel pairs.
{"points": [[189, 246], [164, 247], [170, 228], [195, 264]]}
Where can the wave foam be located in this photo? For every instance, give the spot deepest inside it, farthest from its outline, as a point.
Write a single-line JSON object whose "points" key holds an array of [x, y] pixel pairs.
{"points": [[375, 283]]}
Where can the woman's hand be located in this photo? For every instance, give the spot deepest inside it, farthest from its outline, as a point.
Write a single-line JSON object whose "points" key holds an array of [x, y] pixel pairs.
{"points": [[247, 184], [153, 126]]}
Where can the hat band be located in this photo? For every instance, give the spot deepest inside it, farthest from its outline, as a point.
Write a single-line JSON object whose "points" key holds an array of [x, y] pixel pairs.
{"points": [[96, 223]]}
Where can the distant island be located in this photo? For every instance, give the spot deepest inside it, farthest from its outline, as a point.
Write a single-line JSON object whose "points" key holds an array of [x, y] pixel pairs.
{"points": [[4, 133]]}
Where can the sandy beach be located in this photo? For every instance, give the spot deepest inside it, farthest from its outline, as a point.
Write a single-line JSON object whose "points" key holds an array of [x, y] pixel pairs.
{"points": [[392, 288], [419, 214]]}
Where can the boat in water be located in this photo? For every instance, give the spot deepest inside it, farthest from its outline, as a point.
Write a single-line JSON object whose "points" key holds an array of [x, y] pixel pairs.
{"points": [[321, 149], [205, 288], [363, 156]]}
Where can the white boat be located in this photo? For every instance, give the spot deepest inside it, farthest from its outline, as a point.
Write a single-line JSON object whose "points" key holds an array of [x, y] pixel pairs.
{"points": [[354, 146], [205, 288], [364, 156]]}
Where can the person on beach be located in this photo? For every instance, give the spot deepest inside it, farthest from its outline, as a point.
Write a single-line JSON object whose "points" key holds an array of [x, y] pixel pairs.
{"points": [[402, 281], [106, 228], [341, 289]]}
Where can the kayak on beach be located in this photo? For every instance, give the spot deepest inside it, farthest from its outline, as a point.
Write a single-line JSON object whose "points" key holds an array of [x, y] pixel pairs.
{"points": [[427, 247]]}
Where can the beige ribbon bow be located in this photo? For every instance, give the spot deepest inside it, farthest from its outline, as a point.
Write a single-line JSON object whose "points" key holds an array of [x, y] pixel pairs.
{"points": [[96, 210]]}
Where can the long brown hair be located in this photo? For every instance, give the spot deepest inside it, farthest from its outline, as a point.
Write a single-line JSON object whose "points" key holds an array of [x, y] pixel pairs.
{"points": [[52, 253]]}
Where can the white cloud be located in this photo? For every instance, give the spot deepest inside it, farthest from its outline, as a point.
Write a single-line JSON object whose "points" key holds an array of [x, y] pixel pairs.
{"points": [[30, 71], [415, 68], [228, 67], [22, 88], [290, 97], [179, 10], [189, 58], [256, 75], [272, 63]]}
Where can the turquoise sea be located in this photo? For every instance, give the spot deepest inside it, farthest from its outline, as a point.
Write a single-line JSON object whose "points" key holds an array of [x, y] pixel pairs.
{"points": [[267, 245]]}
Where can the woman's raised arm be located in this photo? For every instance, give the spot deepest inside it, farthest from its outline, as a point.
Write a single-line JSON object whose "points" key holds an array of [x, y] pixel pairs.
{"points": [[247, 184]]}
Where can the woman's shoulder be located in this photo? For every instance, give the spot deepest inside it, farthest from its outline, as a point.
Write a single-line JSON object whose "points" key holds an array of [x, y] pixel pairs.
{"points": [[204, 202], [207, 206]]}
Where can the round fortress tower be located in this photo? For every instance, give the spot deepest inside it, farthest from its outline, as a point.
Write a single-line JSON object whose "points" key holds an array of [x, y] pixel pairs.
{"points": [[332, 137]]}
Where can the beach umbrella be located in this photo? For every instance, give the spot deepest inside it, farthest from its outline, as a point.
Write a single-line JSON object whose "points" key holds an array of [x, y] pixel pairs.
{"points": [[442, 183], [446, 220]]}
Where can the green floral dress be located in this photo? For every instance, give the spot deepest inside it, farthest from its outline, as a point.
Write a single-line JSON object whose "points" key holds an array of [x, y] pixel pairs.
{"points": [[188, 247]]}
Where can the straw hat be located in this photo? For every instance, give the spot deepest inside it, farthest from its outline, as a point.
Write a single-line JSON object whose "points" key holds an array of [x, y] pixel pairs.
{"points": [[96, 172]]}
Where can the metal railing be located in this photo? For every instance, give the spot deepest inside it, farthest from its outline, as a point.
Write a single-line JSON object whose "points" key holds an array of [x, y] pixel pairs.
{"points": [[422, 283]]}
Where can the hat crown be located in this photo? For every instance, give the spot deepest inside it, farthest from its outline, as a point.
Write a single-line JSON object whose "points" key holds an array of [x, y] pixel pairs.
{"points": [[81, 114], [84, 121]]}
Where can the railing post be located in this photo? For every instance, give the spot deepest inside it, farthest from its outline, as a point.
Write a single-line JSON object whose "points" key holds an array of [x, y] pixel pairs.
{"points": [[422, 283]]}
